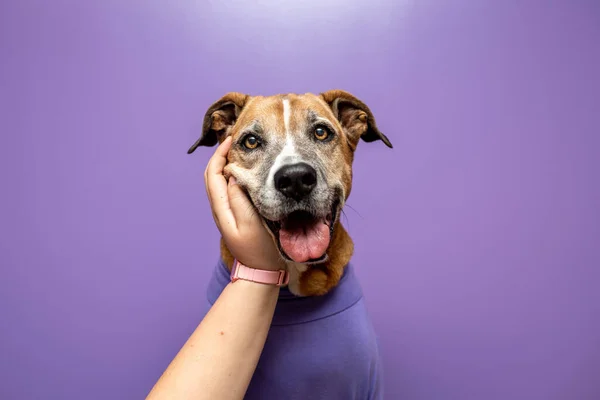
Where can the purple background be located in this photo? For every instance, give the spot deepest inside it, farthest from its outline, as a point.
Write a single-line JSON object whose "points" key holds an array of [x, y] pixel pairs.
{"points": [[477, 236]]}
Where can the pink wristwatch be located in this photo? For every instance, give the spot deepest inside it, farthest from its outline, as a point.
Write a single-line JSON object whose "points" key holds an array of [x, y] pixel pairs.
{"points": [[277, 278]]}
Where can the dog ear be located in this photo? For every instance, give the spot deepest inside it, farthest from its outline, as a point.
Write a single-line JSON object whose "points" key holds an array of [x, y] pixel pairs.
{"points": [[219, 119], [354, 116]]}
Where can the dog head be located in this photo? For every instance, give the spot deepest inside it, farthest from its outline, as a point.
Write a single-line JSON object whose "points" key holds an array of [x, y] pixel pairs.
{"points": [[293, 156]]}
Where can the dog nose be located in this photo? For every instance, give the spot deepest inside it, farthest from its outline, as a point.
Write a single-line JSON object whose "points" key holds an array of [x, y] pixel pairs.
{"points": [[296, 180]]}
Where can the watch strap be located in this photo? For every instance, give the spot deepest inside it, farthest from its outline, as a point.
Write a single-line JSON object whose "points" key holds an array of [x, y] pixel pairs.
{"points": [[277, 278]]}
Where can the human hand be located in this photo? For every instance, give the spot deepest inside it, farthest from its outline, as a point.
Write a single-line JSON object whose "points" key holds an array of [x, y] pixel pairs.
{"points": [[238, 221]]}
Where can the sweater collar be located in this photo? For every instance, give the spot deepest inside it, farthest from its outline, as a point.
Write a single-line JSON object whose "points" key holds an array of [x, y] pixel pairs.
{"points": [[292, 309]]}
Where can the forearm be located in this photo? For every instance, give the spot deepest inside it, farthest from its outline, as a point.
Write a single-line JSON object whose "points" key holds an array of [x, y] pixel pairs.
{"points": [[219, 358]]}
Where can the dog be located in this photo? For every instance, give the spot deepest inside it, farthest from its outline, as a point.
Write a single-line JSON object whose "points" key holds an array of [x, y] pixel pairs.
{"points": [[293, 154]]}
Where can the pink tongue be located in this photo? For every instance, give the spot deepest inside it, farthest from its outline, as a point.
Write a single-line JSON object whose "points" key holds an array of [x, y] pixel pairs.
{"points": [[306, 242]]}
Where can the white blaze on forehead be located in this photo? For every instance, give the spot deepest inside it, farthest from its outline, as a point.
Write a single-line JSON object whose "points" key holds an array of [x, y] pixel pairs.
{"points": [[286, 116], [288, 154]]}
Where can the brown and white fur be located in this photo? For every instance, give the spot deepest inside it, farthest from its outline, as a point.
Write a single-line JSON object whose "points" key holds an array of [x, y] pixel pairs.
{"points": [[285, 126]]}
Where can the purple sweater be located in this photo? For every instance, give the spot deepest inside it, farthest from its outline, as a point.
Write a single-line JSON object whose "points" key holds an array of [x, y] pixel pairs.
{"points": [[317, 348]]}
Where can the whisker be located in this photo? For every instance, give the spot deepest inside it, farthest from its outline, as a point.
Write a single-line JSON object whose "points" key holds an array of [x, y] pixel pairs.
{"points": [[346, 217], [353, 209]]}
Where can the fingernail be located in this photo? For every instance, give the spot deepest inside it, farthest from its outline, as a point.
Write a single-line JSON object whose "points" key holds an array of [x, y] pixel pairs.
{"points": [[232, 181]]}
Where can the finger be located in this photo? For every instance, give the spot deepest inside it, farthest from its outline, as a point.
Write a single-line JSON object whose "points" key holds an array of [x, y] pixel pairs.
{"points": [[218, 160], [216, 185], [241, 207], [206, 184], [222, 149]]}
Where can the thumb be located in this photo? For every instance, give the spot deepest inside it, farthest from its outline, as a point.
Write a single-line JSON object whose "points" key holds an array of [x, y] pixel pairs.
{"points": [[241, 207]]}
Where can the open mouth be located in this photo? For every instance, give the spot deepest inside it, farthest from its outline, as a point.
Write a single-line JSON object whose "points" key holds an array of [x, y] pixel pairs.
{"points": [[303, 237]]}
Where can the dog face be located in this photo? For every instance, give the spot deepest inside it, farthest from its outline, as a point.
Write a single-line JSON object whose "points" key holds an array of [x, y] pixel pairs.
{"points": [[293, 156]]}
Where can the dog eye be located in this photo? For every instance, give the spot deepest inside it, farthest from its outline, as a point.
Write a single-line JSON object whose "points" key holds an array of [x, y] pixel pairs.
{"points": [[251, 142], [322, 134]]}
